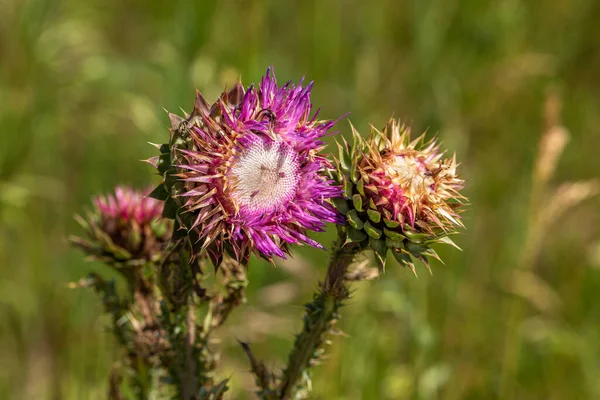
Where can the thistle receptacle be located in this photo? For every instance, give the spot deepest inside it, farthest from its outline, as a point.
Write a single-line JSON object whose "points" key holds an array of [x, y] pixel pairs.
{"points": [[244, 174], [399, 195]]}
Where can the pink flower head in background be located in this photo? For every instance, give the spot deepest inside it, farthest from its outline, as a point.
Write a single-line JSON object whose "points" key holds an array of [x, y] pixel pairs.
{"points": [[128, 205], [125, 227]]}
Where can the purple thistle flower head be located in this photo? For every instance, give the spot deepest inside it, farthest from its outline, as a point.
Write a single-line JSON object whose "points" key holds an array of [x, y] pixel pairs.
{"points": [[251, 178], [125, 227]]}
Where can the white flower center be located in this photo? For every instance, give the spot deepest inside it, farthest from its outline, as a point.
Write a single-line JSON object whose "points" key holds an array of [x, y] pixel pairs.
{"points": [[411, 175], [265, 175]]}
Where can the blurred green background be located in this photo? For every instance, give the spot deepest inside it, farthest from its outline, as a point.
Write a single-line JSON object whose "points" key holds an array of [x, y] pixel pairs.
{"points": [[516, 314]]}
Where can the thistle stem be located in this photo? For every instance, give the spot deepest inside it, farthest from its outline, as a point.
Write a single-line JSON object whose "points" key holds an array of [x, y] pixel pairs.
{"points": [[189, 384], [320, 315]]}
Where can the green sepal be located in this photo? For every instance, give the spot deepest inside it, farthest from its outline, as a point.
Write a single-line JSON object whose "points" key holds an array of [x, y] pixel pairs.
{"points": [[393, 234], [445, 240], [432, 253], [164, 149], [135, 239], [372, 204], [171, 180], [82, 222], [120, 253], [414, 236], [415, 249], [348, 186], [403, 258], [344, 158], [391, 224], [353, 220], [354, 175], [371, 230], [159, 193], [360, 186], [164, 160], [179, 141], [357, 201], [374, 215], [178, 231], [355, 235], [393, 244], [380, 249], [170, 208]]}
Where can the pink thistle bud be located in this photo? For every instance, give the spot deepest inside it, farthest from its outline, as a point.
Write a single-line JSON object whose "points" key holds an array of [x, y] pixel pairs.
{"points": [[124, 227]]}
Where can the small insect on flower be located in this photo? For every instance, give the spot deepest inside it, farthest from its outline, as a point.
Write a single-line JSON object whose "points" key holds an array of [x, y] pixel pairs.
{"points": [[244, 174], [124, 228], [399, 194]]}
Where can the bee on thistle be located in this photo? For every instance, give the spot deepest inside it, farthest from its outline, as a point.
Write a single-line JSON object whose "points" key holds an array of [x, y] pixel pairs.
{"points": [[399, 195], [244, 175]]}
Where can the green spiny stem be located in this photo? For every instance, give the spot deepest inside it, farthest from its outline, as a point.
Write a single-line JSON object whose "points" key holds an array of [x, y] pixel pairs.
{"points": [[317, 323], [189, 386], [321, 314], [235, 281]]}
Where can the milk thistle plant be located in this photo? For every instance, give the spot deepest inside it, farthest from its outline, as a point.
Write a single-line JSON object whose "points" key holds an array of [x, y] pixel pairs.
{"points": [[241, 176]]}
